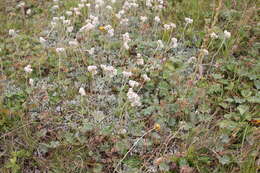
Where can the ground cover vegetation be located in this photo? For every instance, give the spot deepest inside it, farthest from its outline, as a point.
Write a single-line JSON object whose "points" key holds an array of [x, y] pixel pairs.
{"points": [[129, 86]]}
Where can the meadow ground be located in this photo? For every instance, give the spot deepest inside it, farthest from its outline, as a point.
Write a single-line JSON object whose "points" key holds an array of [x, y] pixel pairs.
{"points": [[129, 86]]}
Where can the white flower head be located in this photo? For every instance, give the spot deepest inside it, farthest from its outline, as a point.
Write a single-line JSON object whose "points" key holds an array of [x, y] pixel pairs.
{"points": [[87, 27], [21, 4], [133, 83], [191, 59], [227, 34], [124, 21], [160, 44], [42, 40], [109, 70], [126, 46], [140, 61], [12, 32], [126, 37], [157, 19], [188, 20], [148, 3], [60, 49], [81, 5], [55, 7], [29, 11], [145, 77], [62, 18], [143, 18], [92, 69], [69, 13], [73, 43], [111, 32], [109, 7], [133, 98], [127, 74], [70, 29], [91, 51], [205, 51], [213, 35], [174, 42], [82, 91], [28, 69], [31, 82]]}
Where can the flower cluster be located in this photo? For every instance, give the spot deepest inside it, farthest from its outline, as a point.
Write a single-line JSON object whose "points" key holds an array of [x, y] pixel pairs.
{"points": [[126, 39], [109, 70], [133, 97]]}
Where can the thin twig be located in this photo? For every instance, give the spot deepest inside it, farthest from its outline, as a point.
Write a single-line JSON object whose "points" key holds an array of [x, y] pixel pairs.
{"points": [[135, 143]]}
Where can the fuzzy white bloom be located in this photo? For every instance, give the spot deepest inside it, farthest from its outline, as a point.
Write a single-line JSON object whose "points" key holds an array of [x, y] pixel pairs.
{"points": [[42, 40], [12, 32], [55, 0], [91, 51], [29, 11], [191, 59], [31, 82], [213, 35], [81, 6], [160, 44], [82, 91], [62, 18], [148, 3], [55, 19], [70, 29], [78, 13], [157, 19], [83, 1], [140, 61], [145, 77], [60, 49], [113, 1], [143, 18], [126, 37], [75, 9], [108, 27], [173, 25], [227, 34], [55, 7], [138, 55], [111, 32], [21, 4], [126, 46], [127, 74], [99, 2], [28, 69], [88, 5], [87, 27], [120, 14], [188, 20], [169, 26], [66, 22], [174, 42], [133, 83], [53, 23], [124, 21], [205, 51], [92, 69], [110, 70], [133, 98], [95, 20], [109, 7], [73, 43]]}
